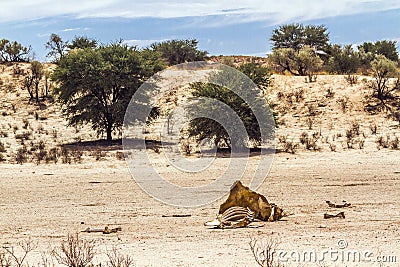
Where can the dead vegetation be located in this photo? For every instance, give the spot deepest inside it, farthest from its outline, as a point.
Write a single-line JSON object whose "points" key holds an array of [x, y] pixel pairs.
{"points": [[72, 252], [16, 255], [310, 141], [265, 251], [351, 79], [116, 259], [287, 145], [388, 141]]}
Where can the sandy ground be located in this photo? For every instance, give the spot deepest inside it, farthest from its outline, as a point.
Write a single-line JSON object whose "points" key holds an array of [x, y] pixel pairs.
{"points": [[47, 202]]}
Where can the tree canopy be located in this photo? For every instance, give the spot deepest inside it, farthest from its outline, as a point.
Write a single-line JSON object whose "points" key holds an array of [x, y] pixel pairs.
{"points": [[260, 75], [383, 47], [304, 62], [297, 48], [204, 127], [296, 36], [12, 51], [57, 47], [179, 51], [96, 85], [36, 74], [343, 60], [82, 42], [383, 69]]}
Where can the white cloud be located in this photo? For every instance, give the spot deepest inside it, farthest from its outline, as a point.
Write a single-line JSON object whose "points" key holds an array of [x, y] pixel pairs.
{"points": [[41, 35], [258, 54], [228, 11], [71, 29]]}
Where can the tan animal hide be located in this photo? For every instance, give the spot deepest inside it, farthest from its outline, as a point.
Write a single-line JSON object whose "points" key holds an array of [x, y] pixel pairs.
{"points": [[242, 196]]}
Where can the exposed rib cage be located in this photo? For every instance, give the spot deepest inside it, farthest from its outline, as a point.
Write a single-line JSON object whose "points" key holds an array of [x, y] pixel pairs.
{"points": [[233, 217]]}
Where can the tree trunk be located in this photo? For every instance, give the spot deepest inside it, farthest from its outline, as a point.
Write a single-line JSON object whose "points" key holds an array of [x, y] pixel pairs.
{"points": [[302, 71], [109, 132], [37, 93]]}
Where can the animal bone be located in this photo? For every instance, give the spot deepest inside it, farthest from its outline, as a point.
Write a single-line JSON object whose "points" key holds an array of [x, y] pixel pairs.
{"points": [[104, 230], [177, 215], [93, 230], [339, 215], [242, 196], [332, 205], [234, 217], [111, 230]]}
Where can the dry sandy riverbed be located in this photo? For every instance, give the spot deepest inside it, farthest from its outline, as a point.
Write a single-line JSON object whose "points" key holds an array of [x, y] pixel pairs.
{"points": [[47, 202]]}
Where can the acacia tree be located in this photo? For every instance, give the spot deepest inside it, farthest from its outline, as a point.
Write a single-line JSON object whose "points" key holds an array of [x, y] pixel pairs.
{"points": [[383, 69], [304, 62], [260, 75], [298, 49], [82, 42], [37, 74], [316, 36], [13, 51], [309, 63], [296, 36], [383, 47], [96, 85], [57, 47], [343, 60], [32, 80], [179, 51], [47, 83], [203, 127]]}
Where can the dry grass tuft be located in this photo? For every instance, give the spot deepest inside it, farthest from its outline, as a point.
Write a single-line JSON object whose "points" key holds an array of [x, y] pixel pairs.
{"points": [[265, 251], [74, 252]]}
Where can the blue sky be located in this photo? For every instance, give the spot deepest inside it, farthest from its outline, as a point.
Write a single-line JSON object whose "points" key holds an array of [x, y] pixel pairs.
{"points": [[226, 27]]}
